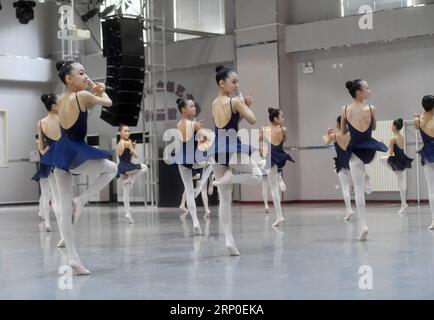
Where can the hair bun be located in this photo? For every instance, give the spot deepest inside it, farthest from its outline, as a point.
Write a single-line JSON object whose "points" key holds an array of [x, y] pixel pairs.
{"points": [[219, 68], [270, 110], [179, 100], [400, 120], [348, 84], [60, 64], [44, 98]]}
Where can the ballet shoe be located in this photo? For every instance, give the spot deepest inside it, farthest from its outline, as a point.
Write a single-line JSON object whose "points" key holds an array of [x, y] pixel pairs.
{"points": [[47, 227], [196, 176], [261, 164], [197, 230], [183, 208], [431, 227], [403, 209], [207, 215], [363, 234], [129, 219], [349, 215], [76, 212], [225, 179], [278, 222], [40, 215], [233, 251], [79, 269], [267, 209], [61, 244], [282, 186]]}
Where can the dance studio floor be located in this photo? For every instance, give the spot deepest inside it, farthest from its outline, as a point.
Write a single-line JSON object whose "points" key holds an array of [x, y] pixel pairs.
{"points": [[314, 255]]}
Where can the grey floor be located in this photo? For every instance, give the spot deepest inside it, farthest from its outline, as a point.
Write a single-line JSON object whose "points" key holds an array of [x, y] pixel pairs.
{"points": [[314, 255]]}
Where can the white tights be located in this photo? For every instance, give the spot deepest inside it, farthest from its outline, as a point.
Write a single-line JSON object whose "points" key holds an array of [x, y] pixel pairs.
{"points": [[107, 171], [429, 176], [358, 174], [344, 176], [249, 172], [265, 192], [187, 179], [128, 180], [44, 203], [273, 180]]}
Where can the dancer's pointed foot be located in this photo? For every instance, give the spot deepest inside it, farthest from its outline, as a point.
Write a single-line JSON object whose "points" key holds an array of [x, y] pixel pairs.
{"points": [[129, 218], [183, 208], [207, 214], [267, 209], [233, 251], [40, 215], [282, 185], [403, 208], [368, 186], [61, 243], [261, 164], [47, 226], [278, 222], [197, 230], [76, 213], [431, 227], [225, 179], [363, 234], [78, 267], [349, 215]]}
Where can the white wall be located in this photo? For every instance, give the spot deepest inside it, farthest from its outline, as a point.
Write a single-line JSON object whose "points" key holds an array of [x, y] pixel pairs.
{"points": [[21, 99], [399, 74]]}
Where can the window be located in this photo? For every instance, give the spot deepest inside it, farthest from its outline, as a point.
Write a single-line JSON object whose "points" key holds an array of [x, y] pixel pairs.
{"points": [[351, 7], [198, 15], [3, 139]]}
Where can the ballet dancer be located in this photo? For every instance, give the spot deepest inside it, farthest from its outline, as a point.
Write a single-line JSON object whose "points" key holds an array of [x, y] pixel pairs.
{"points": [[71, 155], [128, 172], [227, 151], [188, 157], [48, 133], [425, 123], [274, 135], [342, 165], [359, 119], [398, 161]]}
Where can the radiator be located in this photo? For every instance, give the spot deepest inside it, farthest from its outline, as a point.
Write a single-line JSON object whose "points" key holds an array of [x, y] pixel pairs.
{"points": [[382, 177]]}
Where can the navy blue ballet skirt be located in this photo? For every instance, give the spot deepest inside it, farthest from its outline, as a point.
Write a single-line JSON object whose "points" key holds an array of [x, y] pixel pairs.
{"points": [[44, 170], [278, 157], [399, 161], [427, 151], [189, 155], [125, 163], [227, 142], [362, 144], [342, 159], [71, 150]]}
